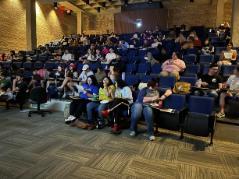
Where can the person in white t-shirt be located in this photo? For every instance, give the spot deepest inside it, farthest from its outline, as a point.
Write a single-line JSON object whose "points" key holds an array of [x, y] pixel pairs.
{"points": [[67, 56], [110, 57], [86, 72], [233, 85]]}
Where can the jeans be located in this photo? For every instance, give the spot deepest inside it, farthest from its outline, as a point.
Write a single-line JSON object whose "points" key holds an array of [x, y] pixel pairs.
{"points": [[77, 107], [101, 108], [136, 113], [91, 109]]}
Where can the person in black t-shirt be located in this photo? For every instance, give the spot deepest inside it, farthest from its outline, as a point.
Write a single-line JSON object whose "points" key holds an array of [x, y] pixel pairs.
{"points": [[211, 80], [20, 89]]}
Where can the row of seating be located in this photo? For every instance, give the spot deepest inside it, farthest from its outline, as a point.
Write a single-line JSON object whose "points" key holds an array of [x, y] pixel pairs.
{"points": [[194, 117]]}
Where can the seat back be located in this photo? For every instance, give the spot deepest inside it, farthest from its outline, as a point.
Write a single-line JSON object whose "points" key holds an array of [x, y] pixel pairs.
{"points": [[201, 104], [38, 95], [189, 79], [167, 82], [175, 101]]}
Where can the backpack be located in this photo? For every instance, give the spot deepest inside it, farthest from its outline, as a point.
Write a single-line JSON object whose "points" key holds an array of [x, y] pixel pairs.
{"points": [[182, 88]]}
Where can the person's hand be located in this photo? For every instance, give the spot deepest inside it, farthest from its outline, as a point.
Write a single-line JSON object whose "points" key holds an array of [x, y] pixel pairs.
{"points": [[204, 84]]}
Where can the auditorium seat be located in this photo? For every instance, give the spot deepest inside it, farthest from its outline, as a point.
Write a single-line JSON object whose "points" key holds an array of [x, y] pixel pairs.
{"points": [[200, 120], [173, 120], [167, 82], [190, 79], [206, 59], [189, 59], [227, 70]]}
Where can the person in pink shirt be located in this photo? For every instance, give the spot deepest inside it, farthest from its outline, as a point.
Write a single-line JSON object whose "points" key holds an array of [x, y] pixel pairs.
{"points": [[173, 67], [105, 50]]}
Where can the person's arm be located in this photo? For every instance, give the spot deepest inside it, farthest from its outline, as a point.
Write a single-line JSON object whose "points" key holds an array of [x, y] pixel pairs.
{"points": [[234, 55], [164, 64], [166, 94], [14, 85]]}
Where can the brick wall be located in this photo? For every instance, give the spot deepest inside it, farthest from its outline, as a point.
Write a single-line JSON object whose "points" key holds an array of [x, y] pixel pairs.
{"points": [[200, 12], [51, 25], [98, 24], [228, 11]]}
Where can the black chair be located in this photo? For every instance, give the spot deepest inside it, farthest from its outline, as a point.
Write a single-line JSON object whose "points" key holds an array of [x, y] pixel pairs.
{"points": [[38, 96]]}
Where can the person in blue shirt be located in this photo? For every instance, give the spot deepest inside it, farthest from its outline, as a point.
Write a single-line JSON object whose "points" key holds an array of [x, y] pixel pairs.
{"points": [[142, 108], [86, 91]]}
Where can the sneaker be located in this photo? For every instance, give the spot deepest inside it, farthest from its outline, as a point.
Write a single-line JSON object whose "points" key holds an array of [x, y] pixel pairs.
{"points": [[220, 115], [132, 133], [70, 119], [152, 138]]}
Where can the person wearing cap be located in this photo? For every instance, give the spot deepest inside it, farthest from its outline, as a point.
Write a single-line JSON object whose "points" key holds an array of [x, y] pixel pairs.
{"points": [[86, 72], [141, 108]]}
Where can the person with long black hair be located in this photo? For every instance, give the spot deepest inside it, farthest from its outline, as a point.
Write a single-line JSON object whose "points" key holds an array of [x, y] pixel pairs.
{"points": [[89, 89]]}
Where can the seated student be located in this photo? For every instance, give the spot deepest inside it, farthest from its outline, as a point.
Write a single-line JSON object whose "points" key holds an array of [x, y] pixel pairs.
{"points": [[86, 72], [106, 94], [233, 91], [90, 56], [67, 56], [229, 56], [77, 106], [208, 48], [69, 74], [150, 59], [20, 89], [100, 74], [5, 88], [98, 55], [210, 80], [111, 56], [173, 67], [141, 108], [123, 94], [123, 45]]}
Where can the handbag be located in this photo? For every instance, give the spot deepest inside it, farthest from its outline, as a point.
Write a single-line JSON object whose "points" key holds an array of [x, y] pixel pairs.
{"points": [[182, 88]]}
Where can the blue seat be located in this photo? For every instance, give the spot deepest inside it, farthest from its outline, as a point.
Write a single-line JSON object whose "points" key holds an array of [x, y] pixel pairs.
{"points": [[174, 120], [200, 119], [145, 78], [156, 69], [227, 70], [17, 64], [94, 66], [167, 82], [130, 68], [218, 50], [189, 59], [192, 70], [191, 51], [189, 79], [38, 65], [131, 80], [43, 58], [205, 69], [143, 68], [50, 65], [6, 65], [27, 74], [206, 59], [27, 65]]}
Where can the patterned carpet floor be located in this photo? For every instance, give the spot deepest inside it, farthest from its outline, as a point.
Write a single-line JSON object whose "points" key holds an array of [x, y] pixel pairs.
{"points": [[47, 148]]}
